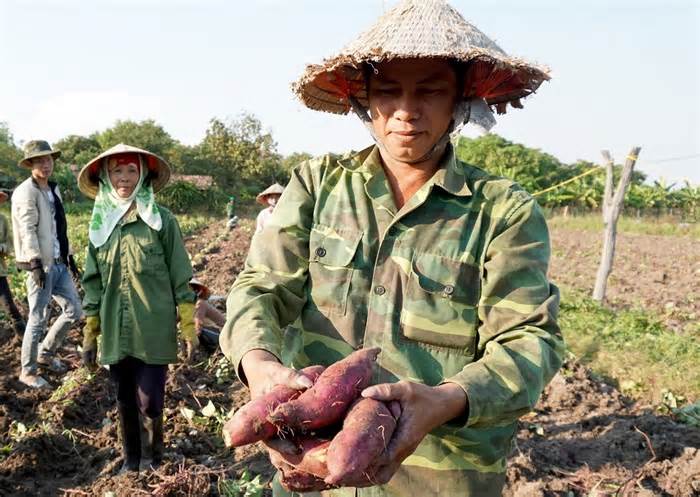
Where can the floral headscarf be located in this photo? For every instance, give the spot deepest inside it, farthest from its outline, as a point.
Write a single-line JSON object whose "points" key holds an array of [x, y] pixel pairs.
{"points": [[109, 207]]}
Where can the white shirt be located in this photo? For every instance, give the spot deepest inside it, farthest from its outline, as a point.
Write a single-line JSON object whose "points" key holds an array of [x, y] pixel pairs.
{"points": [[56, 245]]}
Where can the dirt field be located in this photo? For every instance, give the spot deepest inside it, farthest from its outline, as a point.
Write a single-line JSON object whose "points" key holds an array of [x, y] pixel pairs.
{"points": [[656, 273], [584, 439]]}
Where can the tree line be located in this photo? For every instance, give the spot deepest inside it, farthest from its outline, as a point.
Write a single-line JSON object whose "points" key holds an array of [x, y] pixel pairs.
{"points": [[242, 157]]}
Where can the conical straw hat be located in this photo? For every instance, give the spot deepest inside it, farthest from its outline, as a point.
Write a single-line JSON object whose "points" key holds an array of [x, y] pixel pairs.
{"points": [[89, 176], [275, 189], [420, 29]]}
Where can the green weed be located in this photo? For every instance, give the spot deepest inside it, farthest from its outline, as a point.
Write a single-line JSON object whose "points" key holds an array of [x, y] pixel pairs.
{"points": [[632, 347]]}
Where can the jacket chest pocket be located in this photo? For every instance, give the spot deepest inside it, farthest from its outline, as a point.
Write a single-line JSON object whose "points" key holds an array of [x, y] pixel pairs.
{"points": [[148, 256], [440, 303], [331, 253]]}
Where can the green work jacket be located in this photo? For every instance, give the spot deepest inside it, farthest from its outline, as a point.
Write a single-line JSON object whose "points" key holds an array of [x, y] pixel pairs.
{"points": [[134, 283], [453, 287]]}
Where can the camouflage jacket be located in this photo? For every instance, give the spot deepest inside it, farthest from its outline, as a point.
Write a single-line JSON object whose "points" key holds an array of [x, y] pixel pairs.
{"points": [[453, 288]]}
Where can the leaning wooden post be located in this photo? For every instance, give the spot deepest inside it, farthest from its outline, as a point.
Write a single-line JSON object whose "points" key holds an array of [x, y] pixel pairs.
{"points": [[612, 207]]}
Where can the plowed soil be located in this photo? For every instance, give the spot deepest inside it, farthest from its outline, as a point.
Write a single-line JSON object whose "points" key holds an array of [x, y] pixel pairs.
{"points": [[584, 439]]}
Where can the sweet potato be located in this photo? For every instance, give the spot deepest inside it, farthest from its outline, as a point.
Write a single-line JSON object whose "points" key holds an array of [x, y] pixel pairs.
{"points": [[310, 459], [294, 480], [249, 424], [367, 429], [327, 401]]}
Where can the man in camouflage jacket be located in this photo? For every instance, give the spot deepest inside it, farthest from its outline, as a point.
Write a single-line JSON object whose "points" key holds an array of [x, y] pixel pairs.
{"points": [[405, 247]]}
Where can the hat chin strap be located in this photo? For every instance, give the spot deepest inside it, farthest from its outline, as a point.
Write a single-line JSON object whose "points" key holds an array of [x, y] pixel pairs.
{"points": [[460, 116]]}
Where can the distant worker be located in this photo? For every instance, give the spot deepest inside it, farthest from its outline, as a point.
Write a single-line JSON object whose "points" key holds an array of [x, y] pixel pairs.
{"points": [[40, 236], [136, 282], [208, 320], [6, 300], [232, 218], [269, 199]]}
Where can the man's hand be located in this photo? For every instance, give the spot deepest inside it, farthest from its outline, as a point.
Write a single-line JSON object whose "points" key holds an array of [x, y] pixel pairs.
{"points": [[38, 274], [422, 409], [263, 371]]}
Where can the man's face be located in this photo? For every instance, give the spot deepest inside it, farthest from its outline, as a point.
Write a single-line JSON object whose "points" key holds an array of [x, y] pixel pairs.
{"points": [[411, 103], [124, 177], [42, 167]]}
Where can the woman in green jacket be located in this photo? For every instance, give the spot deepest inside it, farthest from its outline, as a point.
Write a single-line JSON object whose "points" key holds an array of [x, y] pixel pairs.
{"points": [[136, 282]]}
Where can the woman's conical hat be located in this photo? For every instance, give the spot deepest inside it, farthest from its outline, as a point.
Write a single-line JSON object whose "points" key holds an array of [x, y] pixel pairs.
{"points": [[420, 29], [275, 189], [89, 176]]}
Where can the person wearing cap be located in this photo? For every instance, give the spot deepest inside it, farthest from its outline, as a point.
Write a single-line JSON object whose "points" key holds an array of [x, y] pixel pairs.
{"points": [[6, 300], [208, 320], [231, 212], [136, 281], [268, 198], [42, 249], [405, 247]]}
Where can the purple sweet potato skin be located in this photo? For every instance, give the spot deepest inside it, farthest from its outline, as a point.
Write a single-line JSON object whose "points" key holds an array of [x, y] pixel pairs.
{"points": [[310, 459], [294, 480], [368, 427], [329, 399], [249, 424]]}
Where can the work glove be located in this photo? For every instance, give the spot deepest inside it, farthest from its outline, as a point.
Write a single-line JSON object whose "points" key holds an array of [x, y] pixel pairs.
{"points": [[38, 274], [74, 268], [189, 333], [91, 330]]}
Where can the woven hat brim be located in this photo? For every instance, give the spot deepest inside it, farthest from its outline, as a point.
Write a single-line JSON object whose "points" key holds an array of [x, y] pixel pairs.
{"points": [[194, 283], [420, 29], [88, 178], [26, 161], [324, 87], [275, 189]]}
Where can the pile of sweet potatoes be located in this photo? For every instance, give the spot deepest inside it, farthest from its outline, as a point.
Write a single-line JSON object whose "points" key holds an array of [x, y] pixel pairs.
{"points": [[337, 434]]}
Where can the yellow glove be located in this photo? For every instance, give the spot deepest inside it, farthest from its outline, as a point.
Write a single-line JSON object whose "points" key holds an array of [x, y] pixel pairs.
{"points": [[91, 330], [186, 311], [92, 325]]}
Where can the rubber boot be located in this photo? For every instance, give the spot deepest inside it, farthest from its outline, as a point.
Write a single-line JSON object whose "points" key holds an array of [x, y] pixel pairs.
{"points": [[131, 437], [151, 442]]}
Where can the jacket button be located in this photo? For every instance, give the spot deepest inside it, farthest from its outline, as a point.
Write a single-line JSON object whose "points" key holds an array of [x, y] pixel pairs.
{"points": [[321, 252], [379, 290], [449, 290]]}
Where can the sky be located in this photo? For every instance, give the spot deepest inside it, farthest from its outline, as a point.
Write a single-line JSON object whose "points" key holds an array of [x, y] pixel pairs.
{"points": [[624, 72]]}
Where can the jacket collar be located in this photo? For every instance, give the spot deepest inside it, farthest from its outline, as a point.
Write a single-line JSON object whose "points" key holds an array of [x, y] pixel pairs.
{"points": [[52, 184], [450, 176]]}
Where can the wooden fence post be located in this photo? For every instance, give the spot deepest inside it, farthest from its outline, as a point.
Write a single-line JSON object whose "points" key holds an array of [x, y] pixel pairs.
{"points": [[612, 207]]}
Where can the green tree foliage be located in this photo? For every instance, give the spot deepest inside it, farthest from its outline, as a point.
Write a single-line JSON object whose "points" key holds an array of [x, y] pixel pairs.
{"points": [[78, 150], [147, 135], [10, 154], [184, 197], [533, 169], [241, 156]]}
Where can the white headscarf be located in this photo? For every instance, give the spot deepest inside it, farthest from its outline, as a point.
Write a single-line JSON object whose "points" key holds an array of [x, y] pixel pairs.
{"points": [[109, 207]]}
